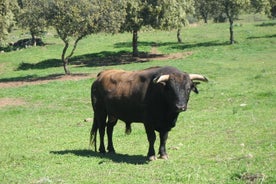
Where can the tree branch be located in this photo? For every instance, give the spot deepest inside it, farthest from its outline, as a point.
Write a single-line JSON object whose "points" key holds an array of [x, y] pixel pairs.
{"points": [[74, 47]]}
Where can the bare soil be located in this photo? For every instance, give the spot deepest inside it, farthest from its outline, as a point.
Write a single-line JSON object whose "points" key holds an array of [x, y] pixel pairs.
{"points": [[11, 102], [44, 80]]}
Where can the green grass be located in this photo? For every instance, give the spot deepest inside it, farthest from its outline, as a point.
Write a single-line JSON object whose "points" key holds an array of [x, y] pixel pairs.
{"points": [[228, 134]]}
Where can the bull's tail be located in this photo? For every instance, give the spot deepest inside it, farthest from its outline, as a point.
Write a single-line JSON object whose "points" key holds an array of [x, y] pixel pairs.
{"points": [[93, 135]]}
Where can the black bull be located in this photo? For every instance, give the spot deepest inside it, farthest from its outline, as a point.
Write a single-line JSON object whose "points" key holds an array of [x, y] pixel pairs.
{"points": [[154, 96]]}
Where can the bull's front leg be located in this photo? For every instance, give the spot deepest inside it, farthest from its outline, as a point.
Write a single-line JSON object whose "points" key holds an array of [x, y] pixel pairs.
{"points": [[162, 147], [151, 138]]}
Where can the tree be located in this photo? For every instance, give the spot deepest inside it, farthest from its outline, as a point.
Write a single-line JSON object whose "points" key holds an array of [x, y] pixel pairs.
{"points": [[159, 14], [74, 20], [173, 14], [265, 6], [273, 8], [205, 9], [32, 16], [7, 19], [133, 22], [232, 9], [112, 15]]}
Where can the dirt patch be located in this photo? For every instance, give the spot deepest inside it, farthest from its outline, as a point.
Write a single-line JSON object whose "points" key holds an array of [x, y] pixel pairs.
{"points": [[11, 102], [44, 80], [156, 55], [175, 56]]}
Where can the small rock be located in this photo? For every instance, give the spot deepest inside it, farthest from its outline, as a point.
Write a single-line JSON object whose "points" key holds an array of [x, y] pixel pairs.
{"points": [[88, 120], [243, 105]]}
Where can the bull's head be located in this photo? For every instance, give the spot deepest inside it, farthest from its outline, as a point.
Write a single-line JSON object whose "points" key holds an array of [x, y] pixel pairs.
{"points": [[178, 86]]}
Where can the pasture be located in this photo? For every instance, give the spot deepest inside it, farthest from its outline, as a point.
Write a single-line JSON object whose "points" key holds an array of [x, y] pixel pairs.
{"points": [[227, 135]]}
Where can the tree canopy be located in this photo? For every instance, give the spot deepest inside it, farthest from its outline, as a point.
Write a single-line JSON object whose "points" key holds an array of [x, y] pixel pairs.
{"points": [[7, 18], [174, 14], [160, 14], [206, 9], [265, 6], [32, 17], [73, 20]]}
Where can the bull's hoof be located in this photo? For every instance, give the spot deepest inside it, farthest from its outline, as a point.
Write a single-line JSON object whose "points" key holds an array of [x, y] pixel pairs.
{"points": [[102, 150], [152, 158], [165, 157]]}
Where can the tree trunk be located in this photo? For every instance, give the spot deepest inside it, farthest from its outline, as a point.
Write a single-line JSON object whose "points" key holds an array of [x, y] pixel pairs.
{"points": [[231, 32], [65, 60], [65, 67], [135, 44], [204, 15], [33, 39], [205, 18], [179, 39]]}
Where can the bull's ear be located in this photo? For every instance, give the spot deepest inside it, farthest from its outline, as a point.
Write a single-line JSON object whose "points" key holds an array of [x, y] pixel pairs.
{"points": [[194, 89], [161, 79]]}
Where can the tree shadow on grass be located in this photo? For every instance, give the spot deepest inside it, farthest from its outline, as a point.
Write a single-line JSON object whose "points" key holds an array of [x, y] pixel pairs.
{"points": [[141, 43], [266, 24], [111, 58], [265, 36], [175, 45], [31, 78], [118, 158], [49, 63], [36, 79], [104, 58], [183, 46]]}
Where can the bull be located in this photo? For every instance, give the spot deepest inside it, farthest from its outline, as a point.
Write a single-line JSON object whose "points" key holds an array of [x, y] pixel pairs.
{"points": [[153, 96]]}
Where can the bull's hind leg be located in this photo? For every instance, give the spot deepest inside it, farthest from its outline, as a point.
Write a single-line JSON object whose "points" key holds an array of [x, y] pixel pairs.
{"points": [[110, 126], [101, 120]]}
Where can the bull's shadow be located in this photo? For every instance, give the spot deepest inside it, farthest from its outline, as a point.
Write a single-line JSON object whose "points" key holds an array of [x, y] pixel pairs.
{"points": [[117, 158]]}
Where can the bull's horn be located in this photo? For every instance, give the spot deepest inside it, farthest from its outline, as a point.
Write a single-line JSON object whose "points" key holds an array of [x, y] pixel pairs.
{"points": [[162, 78], [198, 77]]}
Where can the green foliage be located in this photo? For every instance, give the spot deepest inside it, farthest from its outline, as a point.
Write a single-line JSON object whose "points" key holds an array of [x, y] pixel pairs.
{"points": [[205, 9], [174, 14], [227, 134], [112, 15], [7, 18], [73, 18], [134, 19], [260, 6], [32, 16], [233, 8], [266, 6], [159, 14], [77, 19]]}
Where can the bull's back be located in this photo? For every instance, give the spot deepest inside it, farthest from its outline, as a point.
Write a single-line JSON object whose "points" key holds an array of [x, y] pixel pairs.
{"points": [[123, 93]]}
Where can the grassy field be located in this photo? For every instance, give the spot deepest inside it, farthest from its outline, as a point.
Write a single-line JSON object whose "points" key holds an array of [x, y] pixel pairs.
{"points": [[228, 134]]}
